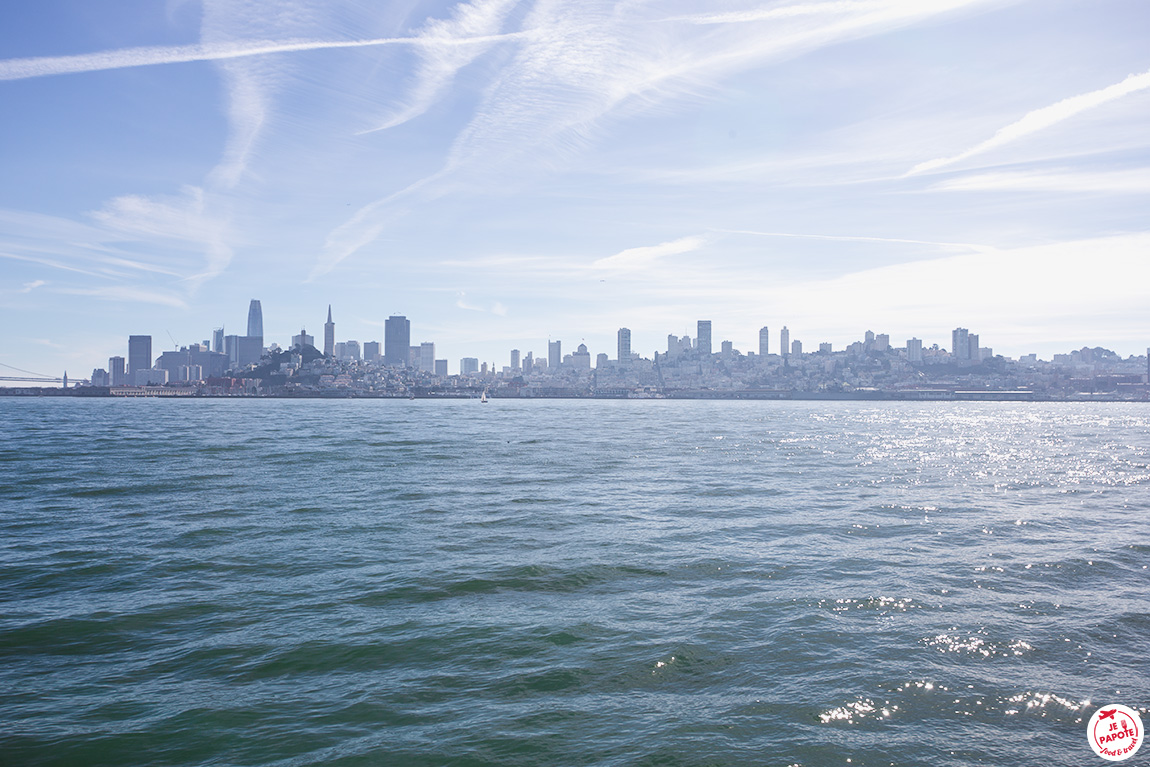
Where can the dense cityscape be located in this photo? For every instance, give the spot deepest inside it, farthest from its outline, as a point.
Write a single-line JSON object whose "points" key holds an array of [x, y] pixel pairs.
{"points": [[689, 368]]}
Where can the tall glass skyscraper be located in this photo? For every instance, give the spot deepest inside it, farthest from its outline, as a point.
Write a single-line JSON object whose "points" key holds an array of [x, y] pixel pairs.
{"points": [[397, 341], [256, 321], [703, 341]]}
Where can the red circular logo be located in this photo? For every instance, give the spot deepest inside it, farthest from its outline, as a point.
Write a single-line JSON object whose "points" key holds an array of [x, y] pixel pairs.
{"points": [[1115, 732]]}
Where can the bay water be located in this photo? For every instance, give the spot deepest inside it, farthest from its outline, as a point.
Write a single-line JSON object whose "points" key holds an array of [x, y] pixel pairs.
{"points": [[569, 582]]}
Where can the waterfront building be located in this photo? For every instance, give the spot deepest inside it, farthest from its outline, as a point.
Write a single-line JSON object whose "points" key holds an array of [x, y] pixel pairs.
{"points": [[396, 340], [117, 373], [703, 339], [624, 345], [139, 355]]}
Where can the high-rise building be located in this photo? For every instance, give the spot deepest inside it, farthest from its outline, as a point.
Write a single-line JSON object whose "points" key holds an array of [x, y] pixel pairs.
{"points": [[329, 335], [882, 342], [218, 340], [972, 343], [784, 341], [441, 368], [303, 339], [727, 348], [117, 374], [468, 366], [914, 350], [825, 348], [396, 340], [427, 357], [703, 343], [601, 360], [554, 355], [624, 345], [764, 341], [371, 351], [139, 355], [960, 344], [529, 362], [514, 359], [796, 348], [581, 359], [351, 350], [256, 322]]}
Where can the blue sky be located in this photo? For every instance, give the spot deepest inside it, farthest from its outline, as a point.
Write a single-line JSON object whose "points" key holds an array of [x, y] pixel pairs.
{"points": [[503, 172]]}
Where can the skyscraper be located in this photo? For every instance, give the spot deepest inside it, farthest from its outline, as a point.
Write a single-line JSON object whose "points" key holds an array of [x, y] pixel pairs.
{"points": [[703, 343], [514, 359], [329, 335], [139, 355], [116, 371], [914, 350], [960, 344], [256, 322], [624, 345], [396, 341], [764, 341], [218, 340], [427, 357], [554, 355], [784, 341]]}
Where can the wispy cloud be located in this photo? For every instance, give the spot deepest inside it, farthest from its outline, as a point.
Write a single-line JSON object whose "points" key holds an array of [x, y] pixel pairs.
{"points": [[646, 256], [577, 65], [183, 218], [30, 286], [1040, 119], [127, 293], [125, 58], [854, 238], [1075, 182], [478, 23]]}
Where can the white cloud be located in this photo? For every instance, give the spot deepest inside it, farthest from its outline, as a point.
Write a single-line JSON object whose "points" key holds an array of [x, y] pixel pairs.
{"points": [[1043, 118], [47, 66], [1135, 181], [30, 286], [441, 55], [129, 294], [645, 257]]}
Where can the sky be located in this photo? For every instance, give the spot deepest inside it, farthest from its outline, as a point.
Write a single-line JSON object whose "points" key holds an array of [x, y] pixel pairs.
{"points": [[508, 172]]}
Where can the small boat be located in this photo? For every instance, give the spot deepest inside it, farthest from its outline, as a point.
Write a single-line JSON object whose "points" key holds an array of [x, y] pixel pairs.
{"points": [[483, 396]]}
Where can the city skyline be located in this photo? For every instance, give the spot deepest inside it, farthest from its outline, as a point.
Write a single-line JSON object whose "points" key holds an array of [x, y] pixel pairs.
{"points": [[396, 349], [886, 164]]}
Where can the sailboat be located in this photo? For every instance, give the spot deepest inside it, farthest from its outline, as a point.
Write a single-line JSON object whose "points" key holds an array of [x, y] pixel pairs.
{"points": [[483, 396]]}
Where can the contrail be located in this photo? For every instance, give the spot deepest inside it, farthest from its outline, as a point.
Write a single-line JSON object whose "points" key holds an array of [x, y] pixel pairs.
{"points": [[47, 66], [1043, 118]]}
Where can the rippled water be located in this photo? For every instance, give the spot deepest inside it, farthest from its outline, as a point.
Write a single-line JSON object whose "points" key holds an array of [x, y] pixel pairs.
{"points": [[567, 582]]}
